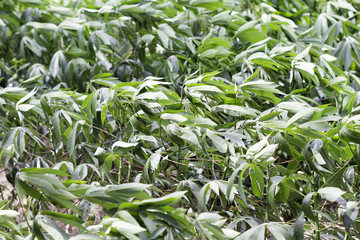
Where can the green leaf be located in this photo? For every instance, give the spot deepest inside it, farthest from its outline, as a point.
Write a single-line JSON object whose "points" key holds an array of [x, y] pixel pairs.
{"points": [[127, 190], [44, 171], [65, 218], [203, 197], [105, 38], [229, 190], [257, 181], [50, 227], [330, 193], [279, 231], [126, 228], [131, 9], [301, 55], [303, 115], [9, 213], [238, 111], [173, 117], [199, 122], [57, 62], [299, 228], [306, 66], [121, 144], [85, 237], [249, 33], [306, 207], [71, 142], [209, 4], [187, 135], [27, 96], [206, 89], [349, 134], [22, 188], [43, 26], [167, 200], [219, 142], [254, 149], [350, 214], [256, 232]]}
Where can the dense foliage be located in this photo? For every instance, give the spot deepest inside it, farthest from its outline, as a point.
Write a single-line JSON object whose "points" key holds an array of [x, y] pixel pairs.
{"points": [[201, 119]]}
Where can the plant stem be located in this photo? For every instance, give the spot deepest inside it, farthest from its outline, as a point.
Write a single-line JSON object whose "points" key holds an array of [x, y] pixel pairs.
{"points": [[267, 190], [178, 169], [317, 230]]}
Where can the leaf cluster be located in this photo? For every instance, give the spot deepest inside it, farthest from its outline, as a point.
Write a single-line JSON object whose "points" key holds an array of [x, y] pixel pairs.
{"points": [[180, 119]]}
